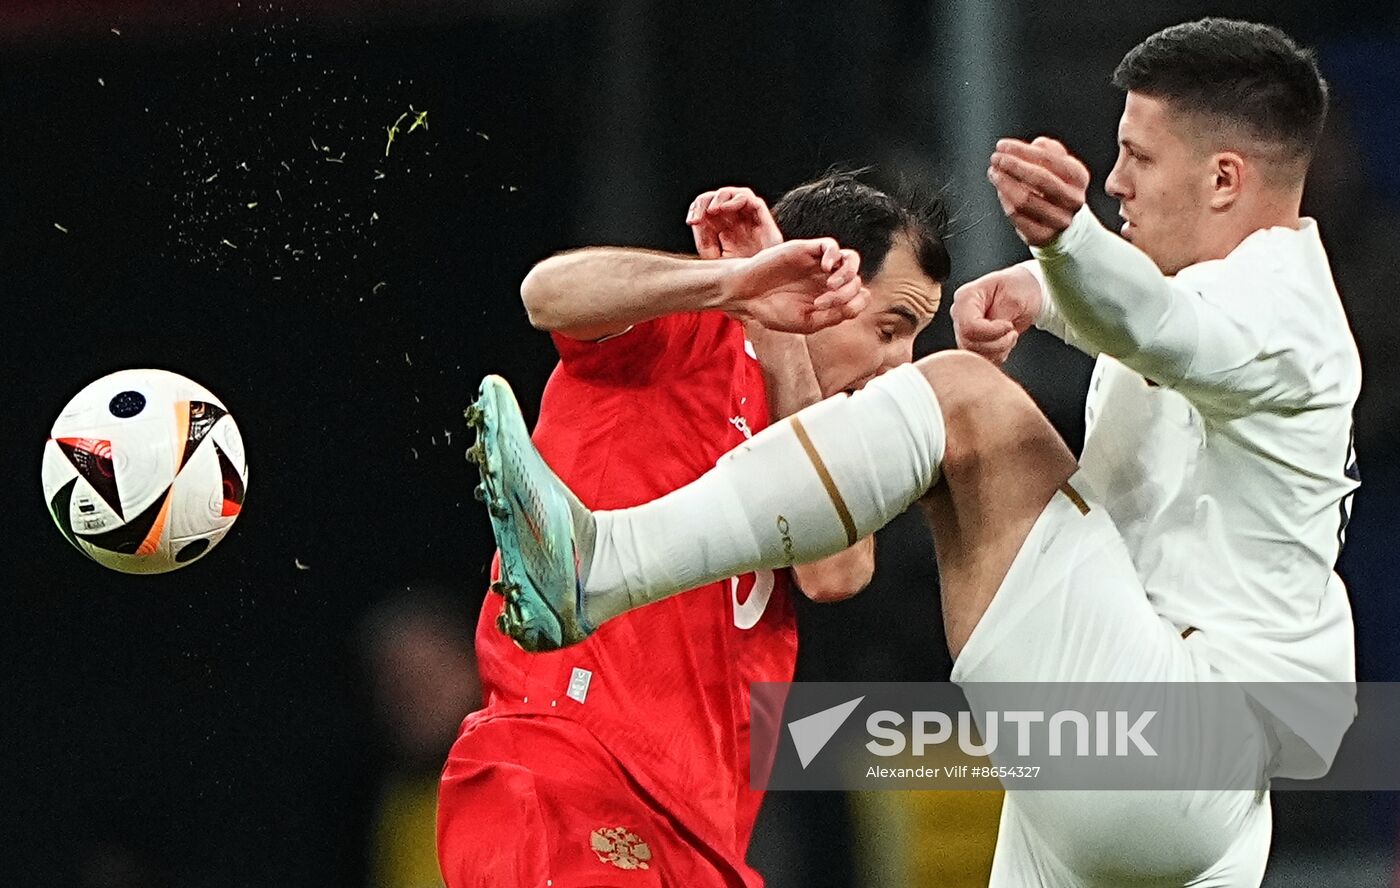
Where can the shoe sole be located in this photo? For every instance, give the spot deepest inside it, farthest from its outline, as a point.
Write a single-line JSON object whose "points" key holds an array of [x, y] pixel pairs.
{"points": [[533, 529]]}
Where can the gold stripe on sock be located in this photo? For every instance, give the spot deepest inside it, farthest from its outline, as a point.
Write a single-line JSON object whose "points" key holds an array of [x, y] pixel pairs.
{"points": [[827, 481], [1068, 490]]}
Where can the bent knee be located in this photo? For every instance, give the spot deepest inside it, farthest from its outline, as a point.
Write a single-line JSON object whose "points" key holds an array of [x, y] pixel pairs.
{"points": [[968, 384], [989, 416]]}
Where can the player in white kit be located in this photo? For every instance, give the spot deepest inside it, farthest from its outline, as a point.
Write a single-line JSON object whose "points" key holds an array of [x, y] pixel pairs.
{"points": [[1193, 542]]}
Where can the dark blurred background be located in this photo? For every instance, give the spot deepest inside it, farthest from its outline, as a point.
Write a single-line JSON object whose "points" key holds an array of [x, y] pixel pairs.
{"points": [[205, 187]]}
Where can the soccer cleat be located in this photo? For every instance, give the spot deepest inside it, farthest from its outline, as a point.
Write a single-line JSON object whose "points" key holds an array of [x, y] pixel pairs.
{"points": [[540, 527]]}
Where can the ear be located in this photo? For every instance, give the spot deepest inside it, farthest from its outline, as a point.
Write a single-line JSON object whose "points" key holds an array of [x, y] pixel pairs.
{"points": [[1227, 179]]}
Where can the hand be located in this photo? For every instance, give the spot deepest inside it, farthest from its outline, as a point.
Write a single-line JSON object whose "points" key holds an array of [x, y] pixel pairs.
{"points": [[731, 223], [1040, 185], [798, 286], [990, 313]]}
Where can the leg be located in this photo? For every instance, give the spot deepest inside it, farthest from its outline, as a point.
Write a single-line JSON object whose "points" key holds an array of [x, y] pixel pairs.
{"points": [[1136, 840], [1069, 623], [803, 489], [1002, 464]]}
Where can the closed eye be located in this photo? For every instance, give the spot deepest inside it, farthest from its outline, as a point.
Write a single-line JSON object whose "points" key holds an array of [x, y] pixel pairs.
{"points": [[899, 321]]}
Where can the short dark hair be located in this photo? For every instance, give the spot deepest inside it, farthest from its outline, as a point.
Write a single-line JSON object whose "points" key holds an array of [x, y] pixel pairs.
{"points": [[1251, 74], [868, 221]]}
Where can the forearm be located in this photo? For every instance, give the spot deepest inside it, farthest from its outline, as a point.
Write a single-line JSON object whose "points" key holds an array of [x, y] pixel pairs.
{"points": [[1105, 295], [598, 291], [788, 377], [792, 385]]}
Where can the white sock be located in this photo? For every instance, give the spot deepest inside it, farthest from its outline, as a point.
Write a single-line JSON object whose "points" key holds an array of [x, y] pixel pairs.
{"points": [[804, 488]]}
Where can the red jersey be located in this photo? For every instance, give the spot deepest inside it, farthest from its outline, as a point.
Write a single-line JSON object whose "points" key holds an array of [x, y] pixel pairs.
{"points": [[664, 688]]}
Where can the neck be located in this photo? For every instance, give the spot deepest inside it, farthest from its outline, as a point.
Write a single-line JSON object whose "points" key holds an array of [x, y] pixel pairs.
{"points": [[1270, 209], [1279, 211]]}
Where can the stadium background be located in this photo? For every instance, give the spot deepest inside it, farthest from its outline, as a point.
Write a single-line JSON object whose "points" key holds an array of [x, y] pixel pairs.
{"points": [[242, 722]]}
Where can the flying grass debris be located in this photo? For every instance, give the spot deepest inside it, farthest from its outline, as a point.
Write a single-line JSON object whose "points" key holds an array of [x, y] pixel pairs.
{"points": [[420, 119], [393, 131]]}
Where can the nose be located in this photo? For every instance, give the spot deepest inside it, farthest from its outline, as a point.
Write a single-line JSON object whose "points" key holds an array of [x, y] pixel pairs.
{"points": [[1117, 182]]}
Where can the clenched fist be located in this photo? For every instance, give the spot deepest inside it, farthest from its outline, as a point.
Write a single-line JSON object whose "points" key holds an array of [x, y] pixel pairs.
{"points": [[990, 313], [1040, 186]]}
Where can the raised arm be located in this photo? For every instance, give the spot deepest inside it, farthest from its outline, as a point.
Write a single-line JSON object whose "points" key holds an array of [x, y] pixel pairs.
{"points": [[1107, 296], [1110, 294], [799, 286]]}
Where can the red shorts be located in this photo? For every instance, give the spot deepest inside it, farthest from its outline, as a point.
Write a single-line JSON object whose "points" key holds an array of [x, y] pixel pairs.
{"points": [[537, 802]]}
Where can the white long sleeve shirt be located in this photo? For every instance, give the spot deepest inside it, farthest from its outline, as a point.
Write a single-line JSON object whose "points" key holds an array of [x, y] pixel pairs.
{"points": [[1219, 434]]}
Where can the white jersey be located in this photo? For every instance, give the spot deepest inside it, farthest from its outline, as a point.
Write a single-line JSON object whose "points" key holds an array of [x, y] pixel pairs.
{"points": [[1219, 436]]}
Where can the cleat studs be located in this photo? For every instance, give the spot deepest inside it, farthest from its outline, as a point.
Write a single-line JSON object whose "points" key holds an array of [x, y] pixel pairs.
{"points": [[498, 511], [510, 591], [502, 623], [480, 493]]}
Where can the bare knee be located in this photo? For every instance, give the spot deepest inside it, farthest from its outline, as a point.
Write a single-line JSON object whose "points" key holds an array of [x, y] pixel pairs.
{"points": [[989, 418], [959, 377]]}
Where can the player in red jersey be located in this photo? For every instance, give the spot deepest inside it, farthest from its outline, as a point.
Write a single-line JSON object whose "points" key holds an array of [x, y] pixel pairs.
{"points": [[621, 763]]}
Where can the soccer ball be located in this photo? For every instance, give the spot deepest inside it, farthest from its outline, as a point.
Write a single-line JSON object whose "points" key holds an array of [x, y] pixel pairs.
{"points": [[144, 471]]}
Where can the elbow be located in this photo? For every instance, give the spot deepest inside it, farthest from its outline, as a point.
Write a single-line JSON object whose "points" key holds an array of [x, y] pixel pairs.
{"points": [[1133, 334], [825, 585], [831, 593], [540, 297], [1115, 333]]}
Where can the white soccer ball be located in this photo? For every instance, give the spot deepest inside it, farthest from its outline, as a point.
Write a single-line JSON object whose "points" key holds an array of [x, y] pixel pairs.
{"points": [[144, 471]]}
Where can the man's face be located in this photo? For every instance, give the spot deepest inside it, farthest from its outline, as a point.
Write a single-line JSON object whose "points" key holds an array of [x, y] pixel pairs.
{"points": [[1162, 181], [902, 302]]}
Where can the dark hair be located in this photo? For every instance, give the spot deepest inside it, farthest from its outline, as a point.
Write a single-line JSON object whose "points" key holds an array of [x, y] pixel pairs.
{"points": [[1248, 73], [867, 220]]}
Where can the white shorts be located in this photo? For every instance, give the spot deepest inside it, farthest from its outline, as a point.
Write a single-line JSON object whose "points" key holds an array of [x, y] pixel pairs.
{"points": [[1072, 609]]}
